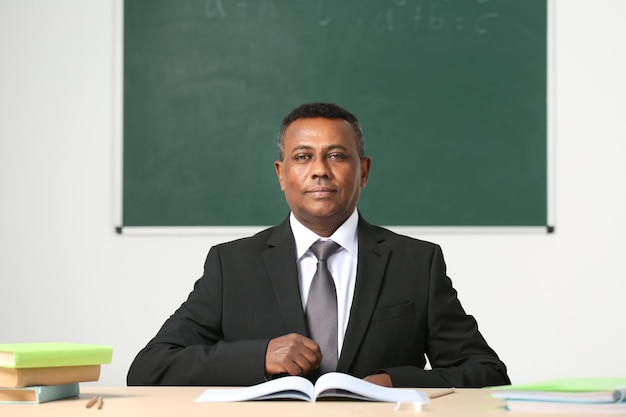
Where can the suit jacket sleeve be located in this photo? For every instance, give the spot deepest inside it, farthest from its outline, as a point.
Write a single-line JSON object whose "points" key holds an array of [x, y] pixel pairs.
{"points": [[191, 349], [458, 353]]}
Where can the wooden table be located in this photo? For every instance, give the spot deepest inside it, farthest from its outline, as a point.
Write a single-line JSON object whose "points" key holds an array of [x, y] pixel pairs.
{"points": [[179, 402]]}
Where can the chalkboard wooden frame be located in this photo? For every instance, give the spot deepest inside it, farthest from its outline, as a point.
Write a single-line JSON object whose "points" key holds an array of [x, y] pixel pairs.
{"points": [[430, 138]]}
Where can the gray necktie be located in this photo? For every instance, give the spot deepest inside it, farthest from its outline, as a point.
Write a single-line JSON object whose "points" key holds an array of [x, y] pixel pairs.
{"points": [[321, 306]]}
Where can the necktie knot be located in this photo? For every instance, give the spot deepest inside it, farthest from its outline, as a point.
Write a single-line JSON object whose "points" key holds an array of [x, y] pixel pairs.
{"points": [[322, 249]]}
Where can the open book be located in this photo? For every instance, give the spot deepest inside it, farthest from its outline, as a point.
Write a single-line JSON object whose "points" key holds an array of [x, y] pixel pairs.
{"points": [[331, 385]]}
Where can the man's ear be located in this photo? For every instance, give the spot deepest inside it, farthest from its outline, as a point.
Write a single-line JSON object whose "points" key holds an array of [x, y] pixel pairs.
{"points": [[278, 166], [366, 163]]}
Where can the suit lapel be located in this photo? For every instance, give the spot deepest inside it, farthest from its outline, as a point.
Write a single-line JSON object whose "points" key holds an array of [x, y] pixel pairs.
{"points": [[371, 266], [283, 272]]}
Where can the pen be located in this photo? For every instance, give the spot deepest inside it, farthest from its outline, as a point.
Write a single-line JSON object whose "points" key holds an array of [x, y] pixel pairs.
{"points": [[442, 393]]}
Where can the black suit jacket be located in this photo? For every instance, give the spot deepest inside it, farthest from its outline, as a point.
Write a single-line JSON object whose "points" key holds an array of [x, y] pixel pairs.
{"points": [[404, 307]]}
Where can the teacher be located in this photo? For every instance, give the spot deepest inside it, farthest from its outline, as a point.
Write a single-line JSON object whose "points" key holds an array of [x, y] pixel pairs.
{"points": [[322, 291]]}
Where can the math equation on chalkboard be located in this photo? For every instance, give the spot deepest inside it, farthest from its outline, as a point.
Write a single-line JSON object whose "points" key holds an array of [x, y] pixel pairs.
{"points": [[463, 16]]}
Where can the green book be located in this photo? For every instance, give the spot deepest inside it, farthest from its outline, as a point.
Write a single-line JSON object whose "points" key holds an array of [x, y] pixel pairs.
{"points": [[44, 355], [39, 394], [570, 390]]}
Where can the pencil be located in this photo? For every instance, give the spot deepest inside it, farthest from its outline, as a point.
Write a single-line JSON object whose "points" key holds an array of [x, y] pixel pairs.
{"points": [[442, 393], [91, 402]]}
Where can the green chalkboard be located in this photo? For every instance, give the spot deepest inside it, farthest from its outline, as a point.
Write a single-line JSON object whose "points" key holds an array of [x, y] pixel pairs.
{"points": [[451, 95]]}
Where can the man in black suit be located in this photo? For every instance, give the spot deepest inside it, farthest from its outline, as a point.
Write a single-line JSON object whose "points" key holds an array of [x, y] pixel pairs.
{"points": [[245, 322]]}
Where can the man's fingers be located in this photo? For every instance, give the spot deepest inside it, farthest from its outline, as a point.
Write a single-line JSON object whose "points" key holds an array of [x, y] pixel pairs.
{"points": [[293, 354], [313, 347]]}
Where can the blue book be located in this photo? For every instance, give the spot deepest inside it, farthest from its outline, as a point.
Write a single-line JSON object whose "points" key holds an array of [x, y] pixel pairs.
{"points": [[37, 394]]}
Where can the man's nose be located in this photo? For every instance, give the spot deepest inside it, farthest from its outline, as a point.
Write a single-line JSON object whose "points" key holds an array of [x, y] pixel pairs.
{"points": [[319, 168]]}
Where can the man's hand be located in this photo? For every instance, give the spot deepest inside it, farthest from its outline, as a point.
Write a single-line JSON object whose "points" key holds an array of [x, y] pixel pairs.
{"points": [[292, 354], [379, 379]]}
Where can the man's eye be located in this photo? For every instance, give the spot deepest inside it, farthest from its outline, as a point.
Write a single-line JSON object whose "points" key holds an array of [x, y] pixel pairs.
{"points": [[301, 157], [336, 156]]}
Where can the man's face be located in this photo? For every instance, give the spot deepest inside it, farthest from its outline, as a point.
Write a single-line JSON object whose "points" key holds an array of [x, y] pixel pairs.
{"points": [[321, 173]]}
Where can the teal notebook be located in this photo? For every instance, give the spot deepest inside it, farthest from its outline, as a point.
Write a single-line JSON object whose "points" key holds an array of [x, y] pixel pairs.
{"points": [[38, 394]]}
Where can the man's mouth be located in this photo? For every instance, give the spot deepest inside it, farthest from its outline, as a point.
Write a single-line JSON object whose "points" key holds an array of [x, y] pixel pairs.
{"points": [[321, 191]]}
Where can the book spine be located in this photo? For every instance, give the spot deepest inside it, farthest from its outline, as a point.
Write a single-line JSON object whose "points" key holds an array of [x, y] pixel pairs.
{"points": [[16, 378], [39, 394], [67, 358]]}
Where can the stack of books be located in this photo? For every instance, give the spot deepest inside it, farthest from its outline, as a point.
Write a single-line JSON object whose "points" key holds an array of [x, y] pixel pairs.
{"points": [[39, 372], [567, 395]]}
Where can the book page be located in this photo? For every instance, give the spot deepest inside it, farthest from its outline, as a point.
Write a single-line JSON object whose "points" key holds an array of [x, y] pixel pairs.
{"points": [[566, 408], [554, 396], [337, 384], [288, 387]]}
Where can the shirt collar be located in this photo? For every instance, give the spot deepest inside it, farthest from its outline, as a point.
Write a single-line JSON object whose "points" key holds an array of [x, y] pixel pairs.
{"points": [[345, 235]]}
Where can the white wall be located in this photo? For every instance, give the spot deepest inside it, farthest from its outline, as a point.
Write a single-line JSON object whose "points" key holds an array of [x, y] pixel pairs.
{"points": [[551, 305]]}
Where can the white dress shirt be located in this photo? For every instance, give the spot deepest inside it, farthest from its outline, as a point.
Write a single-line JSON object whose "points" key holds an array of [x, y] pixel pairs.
{"points": [[341, 264]]}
